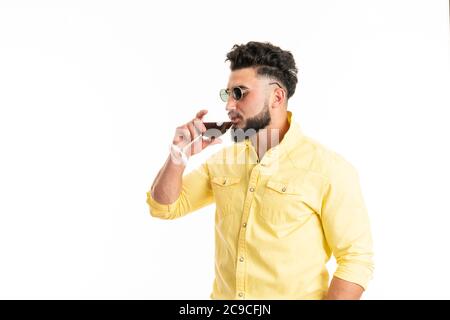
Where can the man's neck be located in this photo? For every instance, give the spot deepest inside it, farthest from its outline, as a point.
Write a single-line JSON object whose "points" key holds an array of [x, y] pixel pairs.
{"points": [[270, 136]]}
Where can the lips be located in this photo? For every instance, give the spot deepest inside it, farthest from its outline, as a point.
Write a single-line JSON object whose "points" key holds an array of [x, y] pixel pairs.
{"points": [[235, 119]]}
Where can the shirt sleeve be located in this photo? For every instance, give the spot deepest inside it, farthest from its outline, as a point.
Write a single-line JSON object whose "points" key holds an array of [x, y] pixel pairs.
{"points": [[195, 193], [346, 225]]}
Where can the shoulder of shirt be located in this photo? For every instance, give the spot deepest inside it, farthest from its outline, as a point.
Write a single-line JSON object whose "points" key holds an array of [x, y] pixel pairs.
{"points": [[321, 160]]}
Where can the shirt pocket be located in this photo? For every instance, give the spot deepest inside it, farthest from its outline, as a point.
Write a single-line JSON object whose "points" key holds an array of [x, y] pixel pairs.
{"points": [[225, 189], [286, 204]]}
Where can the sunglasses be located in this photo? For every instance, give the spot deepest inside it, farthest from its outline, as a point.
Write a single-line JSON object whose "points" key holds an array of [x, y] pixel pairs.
{"points": [[237, 92]]}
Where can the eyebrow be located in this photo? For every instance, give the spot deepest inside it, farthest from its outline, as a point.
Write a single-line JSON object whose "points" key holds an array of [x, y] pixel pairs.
{"points": [[240, 86]]}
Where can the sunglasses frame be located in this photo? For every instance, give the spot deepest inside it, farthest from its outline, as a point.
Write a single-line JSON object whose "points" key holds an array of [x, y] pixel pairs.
{"points": [[225, 93]]}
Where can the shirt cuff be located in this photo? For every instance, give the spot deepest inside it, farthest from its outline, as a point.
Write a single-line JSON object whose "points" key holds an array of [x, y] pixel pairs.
{"points": [[355, 273], [160, 210]]}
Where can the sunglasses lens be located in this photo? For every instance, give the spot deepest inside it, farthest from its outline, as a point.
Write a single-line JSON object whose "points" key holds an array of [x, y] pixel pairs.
{"points": [[224, 95], [237, 93]]}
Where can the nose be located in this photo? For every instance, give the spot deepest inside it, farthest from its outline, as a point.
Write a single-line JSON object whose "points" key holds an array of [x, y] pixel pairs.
{"points": [[230, 105]]}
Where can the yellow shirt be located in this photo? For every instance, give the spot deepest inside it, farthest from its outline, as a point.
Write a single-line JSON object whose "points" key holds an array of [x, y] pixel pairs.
{"points": [[278, 220]]}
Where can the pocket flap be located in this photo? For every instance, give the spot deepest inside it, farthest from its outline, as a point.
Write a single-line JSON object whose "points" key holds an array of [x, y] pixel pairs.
{"points": [[225, 181], [308, 194], [282, 187]]}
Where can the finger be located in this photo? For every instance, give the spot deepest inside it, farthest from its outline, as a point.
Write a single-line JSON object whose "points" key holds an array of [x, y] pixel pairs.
{"points": [[193, 131], [201, 114], [198, 124], [182, 136]]}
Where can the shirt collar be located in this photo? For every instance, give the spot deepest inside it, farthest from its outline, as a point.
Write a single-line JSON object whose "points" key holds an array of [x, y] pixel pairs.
{"points": [[286, 145]]}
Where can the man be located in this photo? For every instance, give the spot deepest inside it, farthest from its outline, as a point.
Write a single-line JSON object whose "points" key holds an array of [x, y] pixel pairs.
{"points": [[284, 203]]}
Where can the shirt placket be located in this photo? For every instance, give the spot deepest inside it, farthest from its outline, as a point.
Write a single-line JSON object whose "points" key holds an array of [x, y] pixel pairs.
{"points": [[241, 264]]}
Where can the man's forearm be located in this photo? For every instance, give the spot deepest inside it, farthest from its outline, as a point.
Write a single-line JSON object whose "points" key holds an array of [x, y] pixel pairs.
{"points": [[166, 187], [344, 290]]}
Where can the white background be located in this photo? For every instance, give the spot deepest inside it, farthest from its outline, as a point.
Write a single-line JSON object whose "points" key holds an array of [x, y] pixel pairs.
{"points": [[91, 93]]}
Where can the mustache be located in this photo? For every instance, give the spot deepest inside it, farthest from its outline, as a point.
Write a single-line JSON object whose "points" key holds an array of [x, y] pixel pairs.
{"points": [[232, 114]]}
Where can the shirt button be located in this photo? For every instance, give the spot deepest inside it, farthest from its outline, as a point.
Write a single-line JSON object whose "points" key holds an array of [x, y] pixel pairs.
{"points": [[244, 225], [241, 259], [241, 294], [252, 189]]}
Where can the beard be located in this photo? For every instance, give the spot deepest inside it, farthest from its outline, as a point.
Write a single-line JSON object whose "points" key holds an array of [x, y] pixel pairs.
{"points": [[252, 125]]}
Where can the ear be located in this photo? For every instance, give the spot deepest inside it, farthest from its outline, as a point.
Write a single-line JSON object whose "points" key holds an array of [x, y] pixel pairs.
{"points": [[279, 98]]}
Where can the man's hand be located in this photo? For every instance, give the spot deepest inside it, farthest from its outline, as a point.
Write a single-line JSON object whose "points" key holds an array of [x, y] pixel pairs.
{"points": [[344, 290], [190, 131]]}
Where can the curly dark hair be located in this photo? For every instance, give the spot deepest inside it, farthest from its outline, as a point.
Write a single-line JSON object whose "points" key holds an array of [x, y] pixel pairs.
{"points": [[269, 60]]}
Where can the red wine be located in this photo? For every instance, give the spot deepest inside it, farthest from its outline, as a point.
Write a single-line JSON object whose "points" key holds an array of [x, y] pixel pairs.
{"points": [[216, 129]]}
